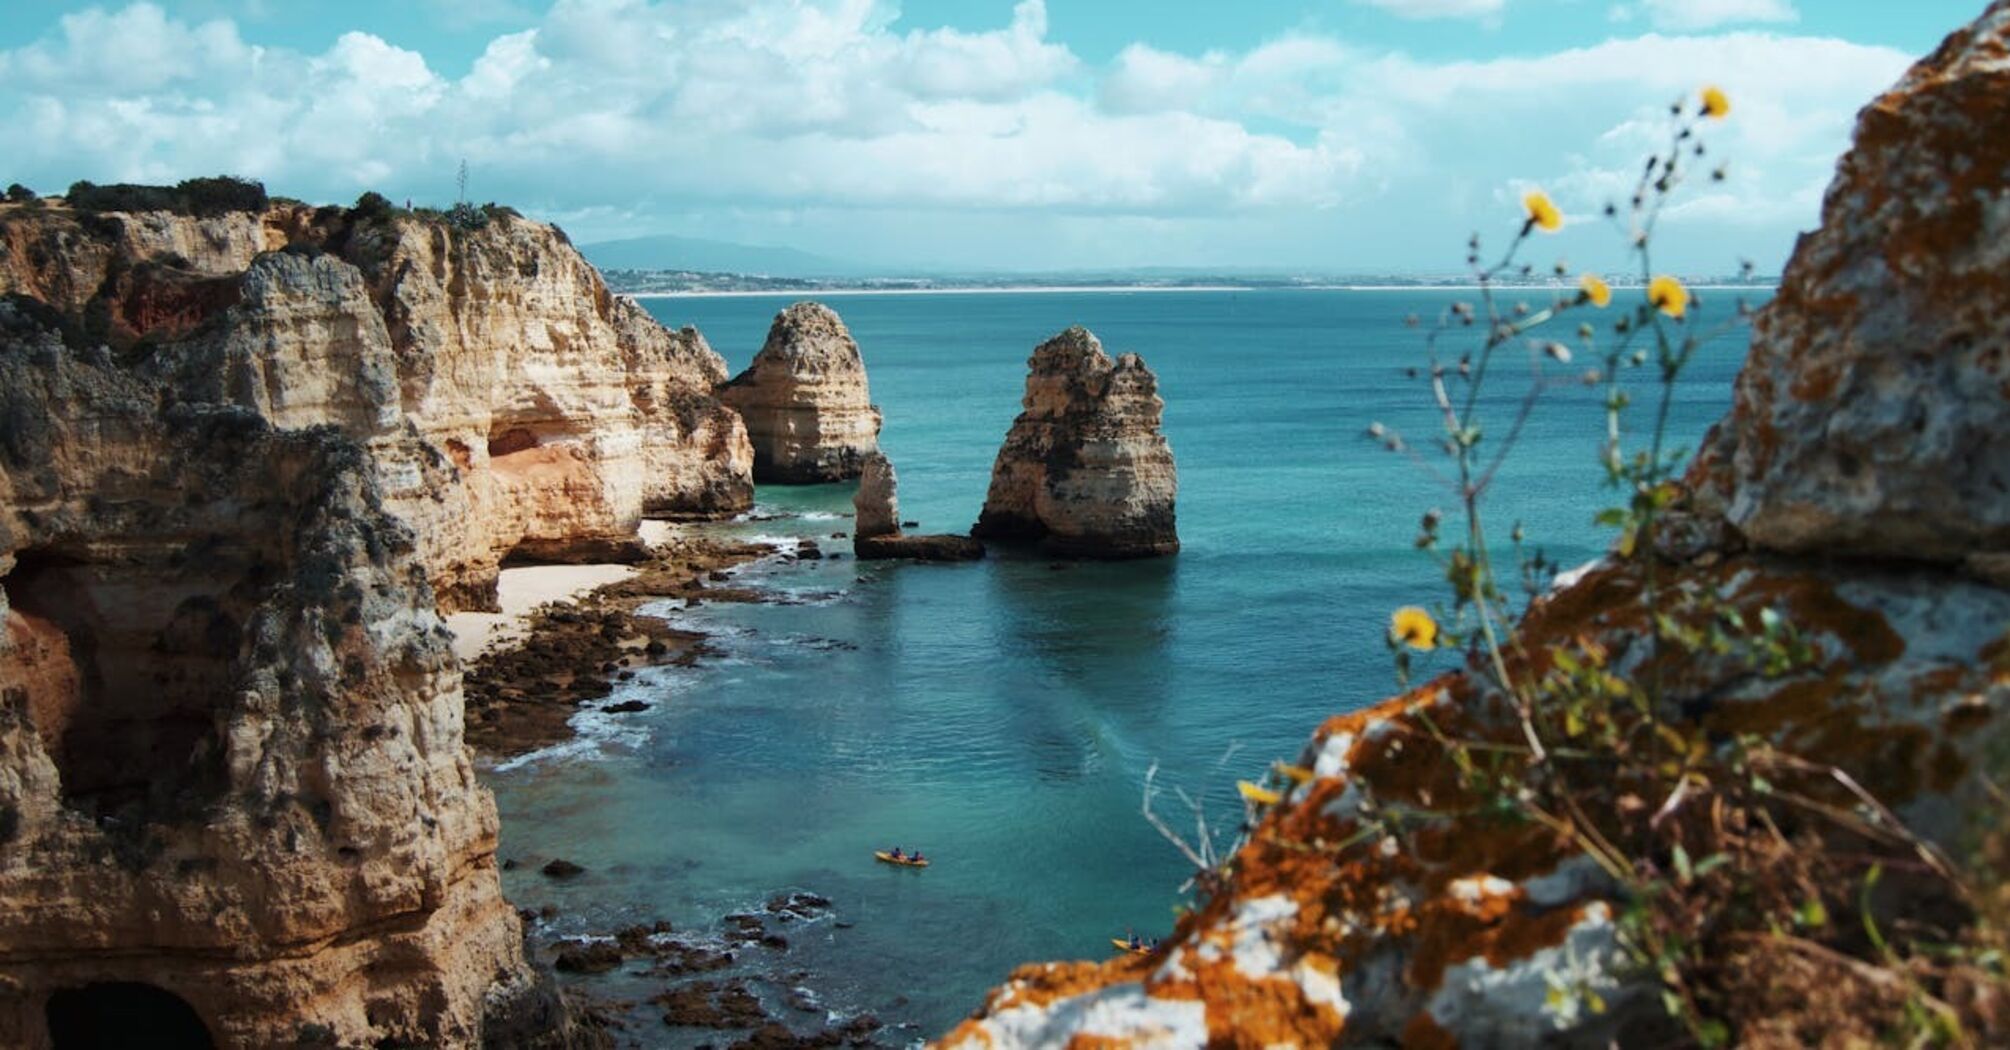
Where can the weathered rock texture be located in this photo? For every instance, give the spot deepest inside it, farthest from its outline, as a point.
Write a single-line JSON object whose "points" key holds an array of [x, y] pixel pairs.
{"points": [[561, 413], [231, 766], [1084, 471], [1860, 472], [1901, 289], [876, 531], [804, 397]]}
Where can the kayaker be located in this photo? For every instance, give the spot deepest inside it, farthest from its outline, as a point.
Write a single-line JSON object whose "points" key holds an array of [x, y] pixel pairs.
{"points": [[896, 853], [916, 857], [1135, 943]]}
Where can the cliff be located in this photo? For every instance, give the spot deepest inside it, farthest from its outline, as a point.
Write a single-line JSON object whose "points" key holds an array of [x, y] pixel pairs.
{"points": [[561, 413], [233, 792], [1855, 492], [1084, 471], [804, 397]]}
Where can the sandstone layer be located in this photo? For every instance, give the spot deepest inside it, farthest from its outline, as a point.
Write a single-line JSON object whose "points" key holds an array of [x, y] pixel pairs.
{"points": [[1852, 492], [1084, 471], [234, 798], [551, 415], [876, 534], [809, 413]]}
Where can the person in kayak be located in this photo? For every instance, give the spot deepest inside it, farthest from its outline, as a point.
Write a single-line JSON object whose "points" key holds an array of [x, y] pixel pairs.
{"points": [[1135, 943], [916, 857], [896, 853]]}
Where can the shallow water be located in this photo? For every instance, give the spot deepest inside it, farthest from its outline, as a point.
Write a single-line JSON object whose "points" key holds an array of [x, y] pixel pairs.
{"points": [[1002, 715]]}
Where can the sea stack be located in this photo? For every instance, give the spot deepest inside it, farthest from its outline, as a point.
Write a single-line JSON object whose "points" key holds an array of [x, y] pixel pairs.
{"points": [[1084, 471], [804, 398], [1857, 486], [876, 526]]}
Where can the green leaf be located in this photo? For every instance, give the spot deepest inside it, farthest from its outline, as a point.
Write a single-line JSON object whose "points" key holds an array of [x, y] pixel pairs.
{"points": [[1683, 869], [1614, 516], [1812, 914]]}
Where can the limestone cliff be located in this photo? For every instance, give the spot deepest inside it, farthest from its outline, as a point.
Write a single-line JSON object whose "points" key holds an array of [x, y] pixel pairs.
{"points": [[561, 412], [234, 797], [1084, 471], [804, 397], [1856, 489]]}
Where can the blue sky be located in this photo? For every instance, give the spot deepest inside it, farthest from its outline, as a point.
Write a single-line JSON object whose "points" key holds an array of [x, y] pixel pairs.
{"points": [[1345, 136]]}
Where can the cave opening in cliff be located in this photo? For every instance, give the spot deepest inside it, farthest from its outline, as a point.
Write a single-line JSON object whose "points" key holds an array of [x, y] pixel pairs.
{"points": [[118, 1014], [126, 709]]}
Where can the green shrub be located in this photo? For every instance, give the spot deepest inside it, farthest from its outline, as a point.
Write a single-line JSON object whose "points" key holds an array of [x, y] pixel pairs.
{"points": [[217, 195]]}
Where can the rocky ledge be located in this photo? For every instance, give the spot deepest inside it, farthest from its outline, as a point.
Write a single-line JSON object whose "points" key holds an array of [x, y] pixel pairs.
{"points": [[1856, 491], [876, 534], [1084, 471], [804, 397], [234, 798], [512, 407]]}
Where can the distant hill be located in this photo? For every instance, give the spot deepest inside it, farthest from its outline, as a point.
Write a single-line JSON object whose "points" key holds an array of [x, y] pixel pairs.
{"points": [[668, 252]]}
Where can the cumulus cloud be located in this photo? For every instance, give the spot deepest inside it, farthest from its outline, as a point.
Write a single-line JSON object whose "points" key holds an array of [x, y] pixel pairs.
{"points": [[616, 110]]}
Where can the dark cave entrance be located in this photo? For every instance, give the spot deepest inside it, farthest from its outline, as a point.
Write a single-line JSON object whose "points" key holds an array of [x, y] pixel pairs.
{"points": [[122, 1014], [134, 733]]}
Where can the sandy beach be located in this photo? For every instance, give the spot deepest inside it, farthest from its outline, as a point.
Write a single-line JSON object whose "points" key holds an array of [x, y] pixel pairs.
{"points": [[521, 590]]}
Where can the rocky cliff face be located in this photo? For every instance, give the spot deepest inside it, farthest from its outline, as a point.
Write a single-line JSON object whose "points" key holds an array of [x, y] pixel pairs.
{"points": [[1856, 488], [1084, 471], [232, 779], [562, 413], [804, 398]]}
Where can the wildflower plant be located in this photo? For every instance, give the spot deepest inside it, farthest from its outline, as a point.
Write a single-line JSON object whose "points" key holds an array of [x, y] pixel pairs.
{"points": [[1707, 842]]}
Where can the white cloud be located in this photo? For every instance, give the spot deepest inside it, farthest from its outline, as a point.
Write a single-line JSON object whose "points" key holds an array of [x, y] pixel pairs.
{"points": [[1438, 8], [617, 110], [1694, 15]]}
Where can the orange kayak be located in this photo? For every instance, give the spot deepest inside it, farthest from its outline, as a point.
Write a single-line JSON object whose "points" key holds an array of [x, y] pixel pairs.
{"points": [[905, 862], [1125, 946]]}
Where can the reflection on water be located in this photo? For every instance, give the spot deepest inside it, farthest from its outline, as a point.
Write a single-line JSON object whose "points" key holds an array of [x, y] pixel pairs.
{"points": [[1001, 715]]}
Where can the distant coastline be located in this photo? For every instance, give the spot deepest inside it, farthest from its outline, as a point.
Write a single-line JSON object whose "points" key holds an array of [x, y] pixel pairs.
{"points": [[1127, 289]]}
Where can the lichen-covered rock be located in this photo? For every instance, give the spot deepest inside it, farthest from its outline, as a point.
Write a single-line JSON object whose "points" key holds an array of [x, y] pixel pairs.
{"points": [[1085, 471], [231, 763], [809, 413], [876, 534], [562, 413], [1832, 446], [1379, 904]]}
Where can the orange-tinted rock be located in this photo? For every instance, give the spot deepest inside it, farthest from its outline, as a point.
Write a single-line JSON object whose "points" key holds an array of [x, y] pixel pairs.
{"points": [[1085, 471], [1873, 416], [564, 413], [1379, 904]]}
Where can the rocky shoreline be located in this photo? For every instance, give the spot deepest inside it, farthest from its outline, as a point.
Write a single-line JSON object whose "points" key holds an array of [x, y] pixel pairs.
{"points": [[522, 694]]}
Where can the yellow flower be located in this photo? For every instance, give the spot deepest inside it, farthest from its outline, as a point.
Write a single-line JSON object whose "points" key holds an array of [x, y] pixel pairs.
{"points": [[1413, 627], [1595, 289], [1259, 795], [1542, 212], [1668, 296], [1716, 104]]}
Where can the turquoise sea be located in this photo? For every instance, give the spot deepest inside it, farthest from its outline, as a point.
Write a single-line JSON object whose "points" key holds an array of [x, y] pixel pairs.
{"points": [[1002, 715]]}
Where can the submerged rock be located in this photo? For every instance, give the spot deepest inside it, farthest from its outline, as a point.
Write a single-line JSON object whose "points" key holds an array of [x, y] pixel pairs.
{"points": [[1084, 471], [809, 414]]}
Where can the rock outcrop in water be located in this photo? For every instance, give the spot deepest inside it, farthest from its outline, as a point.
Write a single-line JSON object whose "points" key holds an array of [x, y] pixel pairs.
{"points": [[876, 531], [804, 397], [1084, 471], [1856, 488], [551, 414]]}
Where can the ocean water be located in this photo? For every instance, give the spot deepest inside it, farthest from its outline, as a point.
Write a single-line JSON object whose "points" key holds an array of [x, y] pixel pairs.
{"points": [[1002, 715]]}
